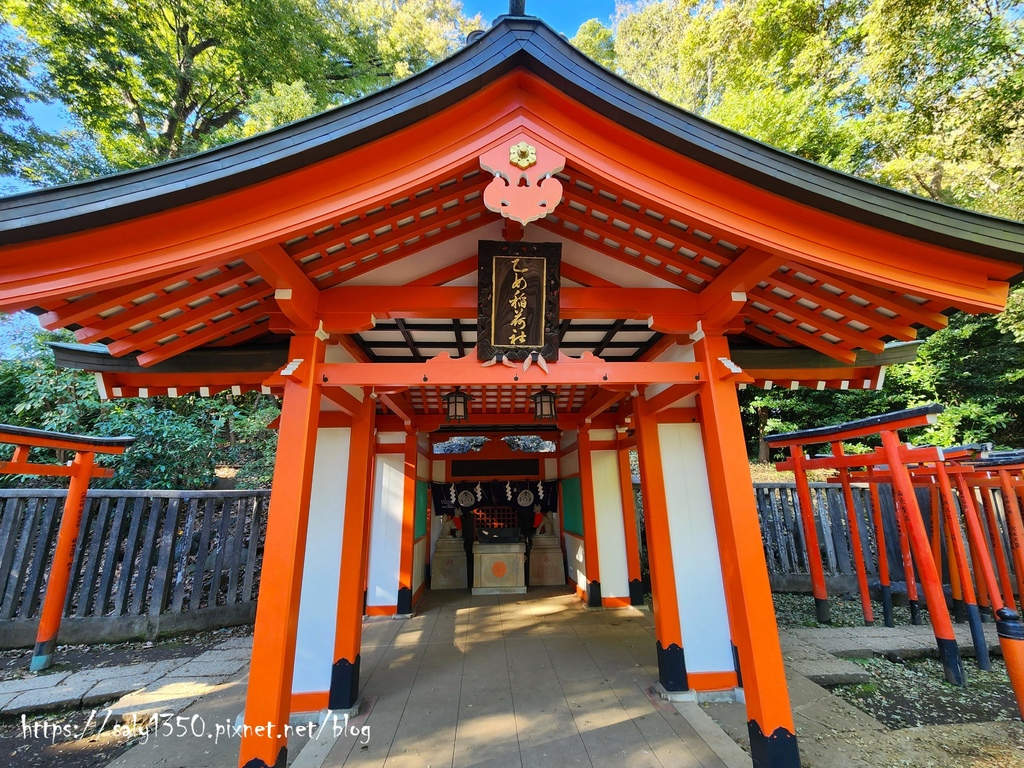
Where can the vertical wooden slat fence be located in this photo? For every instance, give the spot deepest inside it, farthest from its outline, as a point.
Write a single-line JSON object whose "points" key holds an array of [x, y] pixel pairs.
{"points": [[139, 552]]}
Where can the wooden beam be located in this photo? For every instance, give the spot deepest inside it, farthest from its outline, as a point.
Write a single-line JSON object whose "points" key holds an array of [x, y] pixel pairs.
{"points": [[800, 336], [347, 402], [447, 274], [669, 397], [600, 403], [743, 274], [398, 404], [443, 371]]}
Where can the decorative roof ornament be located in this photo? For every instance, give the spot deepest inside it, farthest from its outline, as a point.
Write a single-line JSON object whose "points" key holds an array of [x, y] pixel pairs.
{"points": [[516, 7], [523, 189]]}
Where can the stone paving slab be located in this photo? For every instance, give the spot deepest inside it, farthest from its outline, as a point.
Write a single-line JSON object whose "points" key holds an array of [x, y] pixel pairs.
{"points": [[64, 696], [31, 683], [830, 671]]}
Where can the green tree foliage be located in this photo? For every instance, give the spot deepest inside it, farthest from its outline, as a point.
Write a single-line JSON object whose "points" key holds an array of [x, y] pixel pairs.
{"points": [[158, 79], [597, 41], [179, 441], [926, 96], [19, 137]]}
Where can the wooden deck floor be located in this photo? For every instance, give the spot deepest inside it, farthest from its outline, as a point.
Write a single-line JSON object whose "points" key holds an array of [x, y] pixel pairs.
{"points": [[514, 680]]}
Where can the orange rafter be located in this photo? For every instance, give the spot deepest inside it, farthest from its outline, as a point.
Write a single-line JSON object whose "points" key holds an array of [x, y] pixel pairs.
{"points": [[237, 337], [648, 247], [121, 295], [700, 245], [765, 338], [583, 277], [196, 338], [374, 254], [848, 337], [117, 326], [637, 262], [841, 304], [388, 215], [799, 335], [672, 395], [447, 274], [906, 309], [148, 337], [399, 404]]}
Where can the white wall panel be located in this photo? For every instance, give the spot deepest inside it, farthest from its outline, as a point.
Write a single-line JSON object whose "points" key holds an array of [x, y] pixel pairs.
{"points": [[386, 534], [611, 533], [698, 569], [314, 644], [576, 561]]}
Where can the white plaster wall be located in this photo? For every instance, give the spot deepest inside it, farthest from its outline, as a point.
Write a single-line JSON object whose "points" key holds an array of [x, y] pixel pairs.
{"points": [[576, 561], [386, 534], [611, 532], [550, 469], [698, 568], [570, 464], [314, 643]]}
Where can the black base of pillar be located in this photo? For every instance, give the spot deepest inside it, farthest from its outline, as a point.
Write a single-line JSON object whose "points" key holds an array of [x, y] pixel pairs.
{"points": [[404, 600], [736, 666], [986, 613], [779, 750], [636, 592], [344, 691], [959, 611], [887, 616], [594, 594], [978, 638], [672, 668], [949, 654], [915, 612], [822, 611], [281, 762]]}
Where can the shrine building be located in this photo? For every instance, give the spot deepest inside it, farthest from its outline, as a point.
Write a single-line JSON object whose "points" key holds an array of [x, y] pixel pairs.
{"points": [[513, 242]]}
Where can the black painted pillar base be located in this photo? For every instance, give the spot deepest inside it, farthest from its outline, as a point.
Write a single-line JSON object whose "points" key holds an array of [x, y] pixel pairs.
{"points": [[986, 613], [778, 750], [822, 611], [915, 612], [952, 665], [404, 601], [636, 592], [672, 668], [887, 616], [959, 611], [344, 691], [281, 762], [978, 638], [736, 665], [594, 594]]}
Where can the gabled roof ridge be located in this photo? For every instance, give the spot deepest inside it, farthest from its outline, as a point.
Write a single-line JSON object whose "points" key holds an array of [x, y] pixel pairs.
{"points": [[510, 43]]}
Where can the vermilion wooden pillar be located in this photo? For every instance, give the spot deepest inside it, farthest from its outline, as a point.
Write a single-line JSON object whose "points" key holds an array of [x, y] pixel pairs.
{"points": [[769, 716], [593, 560], [277, 614], [636, 586], [405, 580], [667, 628], [344, 692], [60, 571]]}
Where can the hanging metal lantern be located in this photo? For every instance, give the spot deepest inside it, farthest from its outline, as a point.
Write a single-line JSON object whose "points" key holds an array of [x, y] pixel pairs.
{"points": [[544, 405], [456, 405]]}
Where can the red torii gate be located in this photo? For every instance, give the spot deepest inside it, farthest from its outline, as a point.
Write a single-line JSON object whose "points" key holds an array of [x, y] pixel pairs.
{"points": [[80, 470]]}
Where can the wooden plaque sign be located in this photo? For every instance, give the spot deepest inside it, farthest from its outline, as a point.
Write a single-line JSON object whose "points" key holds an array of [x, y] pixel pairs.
{"points": [[518, 298]]}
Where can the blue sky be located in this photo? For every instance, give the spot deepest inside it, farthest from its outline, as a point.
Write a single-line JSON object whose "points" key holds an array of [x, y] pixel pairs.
{"points": [[564, 15]]}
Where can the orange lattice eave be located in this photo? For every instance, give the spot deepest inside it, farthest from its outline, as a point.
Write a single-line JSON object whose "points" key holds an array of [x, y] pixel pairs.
{"points": [[152, 266]]}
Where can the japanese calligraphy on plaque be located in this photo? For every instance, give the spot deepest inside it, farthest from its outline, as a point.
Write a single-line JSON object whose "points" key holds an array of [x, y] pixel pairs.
{"points": [[518, 296]]}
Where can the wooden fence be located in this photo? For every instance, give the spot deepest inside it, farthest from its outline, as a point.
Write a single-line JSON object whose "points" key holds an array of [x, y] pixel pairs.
{"points": [[782, 530], [139, 553]]}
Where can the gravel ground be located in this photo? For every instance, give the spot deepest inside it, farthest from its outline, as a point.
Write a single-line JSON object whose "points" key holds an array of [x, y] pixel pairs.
{"points": [[793, 610]]}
